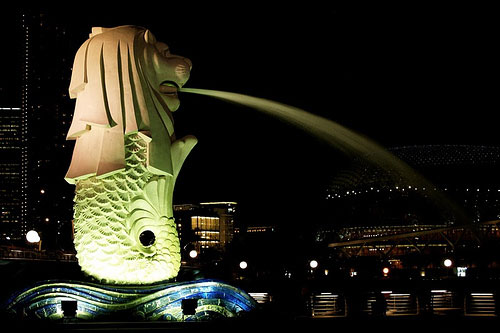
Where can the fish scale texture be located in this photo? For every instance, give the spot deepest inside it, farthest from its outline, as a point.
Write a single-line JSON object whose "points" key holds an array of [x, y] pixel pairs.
{"points": [[111, 212]]}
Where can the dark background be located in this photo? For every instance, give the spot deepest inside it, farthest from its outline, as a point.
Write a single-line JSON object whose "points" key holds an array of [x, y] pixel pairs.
{"points": [[399, 75]]}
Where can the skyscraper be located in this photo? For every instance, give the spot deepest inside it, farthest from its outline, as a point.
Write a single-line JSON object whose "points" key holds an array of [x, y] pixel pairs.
{"points": [[12, 173], [36, 70], [13, 131], [49, 59]]}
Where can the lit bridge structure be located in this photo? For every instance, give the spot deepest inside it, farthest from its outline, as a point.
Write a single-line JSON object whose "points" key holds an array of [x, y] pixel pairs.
{"points": [[392, 241]]}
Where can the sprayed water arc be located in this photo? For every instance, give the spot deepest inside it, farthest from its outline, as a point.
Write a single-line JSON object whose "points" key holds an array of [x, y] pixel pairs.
{"points": [[340, 137]]}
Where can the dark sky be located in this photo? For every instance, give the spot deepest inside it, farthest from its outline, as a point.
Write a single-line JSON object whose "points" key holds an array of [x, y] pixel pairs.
{"points": [[399, 75]]}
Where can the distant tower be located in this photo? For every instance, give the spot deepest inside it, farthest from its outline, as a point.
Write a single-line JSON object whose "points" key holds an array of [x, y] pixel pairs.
{"points": [[47, 52], [34, 118], [12, 174], [14, 113]]}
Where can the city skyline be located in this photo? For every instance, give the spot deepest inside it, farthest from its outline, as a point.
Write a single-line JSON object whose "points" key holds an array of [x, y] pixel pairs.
{"points": [[282, 211], [400, 77]]}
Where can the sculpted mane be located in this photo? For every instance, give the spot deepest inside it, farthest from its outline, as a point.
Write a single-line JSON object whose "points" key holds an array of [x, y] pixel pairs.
{"points": [[114, 82]]}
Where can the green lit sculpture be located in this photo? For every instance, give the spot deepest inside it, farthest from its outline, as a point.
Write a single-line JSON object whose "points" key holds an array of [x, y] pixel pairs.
{"points": [[126, 157], [125, 163]]}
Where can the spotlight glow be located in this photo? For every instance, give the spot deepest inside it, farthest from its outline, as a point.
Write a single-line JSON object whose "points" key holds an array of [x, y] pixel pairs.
{"points": [[32, 236]]}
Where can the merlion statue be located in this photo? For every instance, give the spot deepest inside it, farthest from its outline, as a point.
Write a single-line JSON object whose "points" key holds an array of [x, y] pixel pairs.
{"points": [[126, 156]]}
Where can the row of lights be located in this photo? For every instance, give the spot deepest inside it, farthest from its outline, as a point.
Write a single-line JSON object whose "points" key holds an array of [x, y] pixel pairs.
{"points": [[446, 263], [24, 128], [313, 264], [193, 254], [397, 188], [33, 237]]}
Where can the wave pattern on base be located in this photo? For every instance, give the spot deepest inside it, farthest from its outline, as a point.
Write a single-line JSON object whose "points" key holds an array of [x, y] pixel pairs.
{"points": [[215, 299]]}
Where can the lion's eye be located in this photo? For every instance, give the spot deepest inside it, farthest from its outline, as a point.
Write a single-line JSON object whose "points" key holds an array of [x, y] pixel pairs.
{"points": [[147, 238]]}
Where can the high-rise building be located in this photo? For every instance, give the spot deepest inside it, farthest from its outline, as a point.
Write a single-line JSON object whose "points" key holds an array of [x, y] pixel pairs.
{"points": [[14, 131], [36, 71], [12, 172], [50, 50]]}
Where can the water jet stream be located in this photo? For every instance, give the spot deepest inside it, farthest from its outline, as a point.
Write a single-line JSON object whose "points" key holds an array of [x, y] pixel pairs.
{"points": [[341, 138]]}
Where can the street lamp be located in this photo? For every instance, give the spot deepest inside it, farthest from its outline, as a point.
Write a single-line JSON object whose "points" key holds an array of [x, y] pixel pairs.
{"points": [[313, 264], [32, 236], [193, 254], [243, 264], [447, 263]]}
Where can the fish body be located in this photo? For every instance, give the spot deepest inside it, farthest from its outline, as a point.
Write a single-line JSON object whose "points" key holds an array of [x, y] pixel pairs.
{"points": [[112, 212]]}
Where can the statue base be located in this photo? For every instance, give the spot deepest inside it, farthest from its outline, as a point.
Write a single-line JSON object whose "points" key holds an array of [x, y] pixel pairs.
{"points": [[182, 301]]}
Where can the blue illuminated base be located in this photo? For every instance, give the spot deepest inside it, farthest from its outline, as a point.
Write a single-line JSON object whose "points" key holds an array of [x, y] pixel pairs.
{"points": [[210, 299]]}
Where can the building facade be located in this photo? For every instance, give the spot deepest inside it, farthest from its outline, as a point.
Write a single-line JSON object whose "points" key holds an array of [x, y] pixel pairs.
{"points": [[206, 226], [12, 173], [35, 76], [378, 217], [52, 46]]}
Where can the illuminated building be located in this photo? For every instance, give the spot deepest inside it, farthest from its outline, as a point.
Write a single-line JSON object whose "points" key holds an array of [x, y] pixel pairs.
{"points": [[51, 51], [372, 213], [207, 230], [14, 137], [13, 174], [225, 211], [208, 225], [39, 61]]}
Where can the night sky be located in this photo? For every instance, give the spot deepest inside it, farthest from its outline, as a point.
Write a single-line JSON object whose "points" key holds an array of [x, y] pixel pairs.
{"points": [[399, 75]]}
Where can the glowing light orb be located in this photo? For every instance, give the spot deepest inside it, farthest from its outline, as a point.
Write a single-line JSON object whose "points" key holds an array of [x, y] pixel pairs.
{"points": [[385, 270], [193, 254], [32, 236], [243, 265], [313, 264]]}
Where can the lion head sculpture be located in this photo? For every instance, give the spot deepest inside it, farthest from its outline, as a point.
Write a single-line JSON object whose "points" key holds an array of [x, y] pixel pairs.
{"points": [[124, 81]]}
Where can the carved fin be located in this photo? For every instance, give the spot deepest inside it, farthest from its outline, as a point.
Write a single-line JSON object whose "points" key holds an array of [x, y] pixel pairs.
{"points": [[180, 149]]}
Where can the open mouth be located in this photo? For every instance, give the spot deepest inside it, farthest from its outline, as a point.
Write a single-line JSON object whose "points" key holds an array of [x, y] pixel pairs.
{"points": [[169, 88]]}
